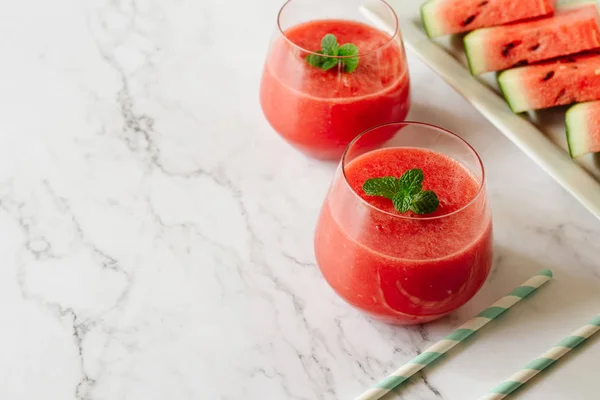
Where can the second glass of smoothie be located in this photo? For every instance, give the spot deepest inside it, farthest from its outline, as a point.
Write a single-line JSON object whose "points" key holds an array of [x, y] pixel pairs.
{"points": [[320, 109], [406, 268]]}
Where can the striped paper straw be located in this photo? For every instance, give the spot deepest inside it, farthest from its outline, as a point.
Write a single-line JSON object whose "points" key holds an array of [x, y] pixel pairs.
{"points": [[456, 336], [544, 361]]}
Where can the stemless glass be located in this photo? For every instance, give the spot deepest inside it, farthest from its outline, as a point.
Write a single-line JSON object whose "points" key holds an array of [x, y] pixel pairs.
{"points": [[319, 112], [406, 268]]}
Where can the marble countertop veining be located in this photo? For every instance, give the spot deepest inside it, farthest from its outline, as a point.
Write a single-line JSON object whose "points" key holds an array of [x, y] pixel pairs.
{"points": [[156, 235]]}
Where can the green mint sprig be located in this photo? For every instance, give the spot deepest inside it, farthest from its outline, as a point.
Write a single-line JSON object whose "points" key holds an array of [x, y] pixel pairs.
{"points": [[331, 48], [406, 193]]}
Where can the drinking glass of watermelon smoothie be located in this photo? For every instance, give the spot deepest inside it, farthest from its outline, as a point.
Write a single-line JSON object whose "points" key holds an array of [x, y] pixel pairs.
{"points": [[330, 75], [390, 254]]}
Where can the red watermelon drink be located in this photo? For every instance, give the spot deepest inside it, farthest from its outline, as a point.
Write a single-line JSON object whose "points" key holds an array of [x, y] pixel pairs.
{"points": [[405, 232], [326, 80]]}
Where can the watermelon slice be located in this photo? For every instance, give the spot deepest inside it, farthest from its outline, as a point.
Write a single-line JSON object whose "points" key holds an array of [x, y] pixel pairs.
{"points": [[571, 30], [445, 17], [552, 83], [583, 128]]}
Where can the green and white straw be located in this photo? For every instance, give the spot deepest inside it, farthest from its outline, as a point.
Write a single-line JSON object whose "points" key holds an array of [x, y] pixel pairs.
{"points": [[456, 336], [544, 361]]}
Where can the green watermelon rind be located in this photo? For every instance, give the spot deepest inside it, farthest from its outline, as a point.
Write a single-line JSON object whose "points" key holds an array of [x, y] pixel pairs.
{"points": [[430, 20], [501, 86], [475, 60], [576, 131], [469, 57], [513, 93]]}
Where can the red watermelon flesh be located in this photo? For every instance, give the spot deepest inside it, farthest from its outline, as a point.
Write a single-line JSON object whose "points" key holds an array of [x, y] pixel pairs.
{"points": [[571, 30], [552, 83], [583, 128], [444, 17]]}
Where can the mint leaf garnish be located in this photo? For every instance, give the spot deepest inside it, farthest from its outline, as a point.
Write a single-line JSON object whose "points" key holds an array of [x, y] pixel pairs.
{"points": [[329, 45], [386, 187], [350, 63], [412, 181], [315, 60], [329, 63], [406, 193], [326, 58], [402, 201], [424, 202]]}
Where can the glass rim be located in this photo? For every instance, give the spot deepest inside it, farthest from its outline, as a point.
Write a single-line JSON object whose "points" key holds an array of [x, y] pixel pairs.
{"points": [[379, 48], [480, 189]]}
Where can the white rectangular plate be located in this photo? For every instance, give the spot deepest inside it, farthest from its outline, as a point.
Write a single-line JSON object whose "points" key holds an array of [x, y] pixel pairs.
{"points": [[540, 135]]}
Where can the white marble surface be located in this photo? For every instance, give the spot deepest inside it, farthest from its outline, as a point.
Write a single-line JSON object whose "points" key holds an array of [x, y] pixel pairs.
{"points": [[156, 235]]}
